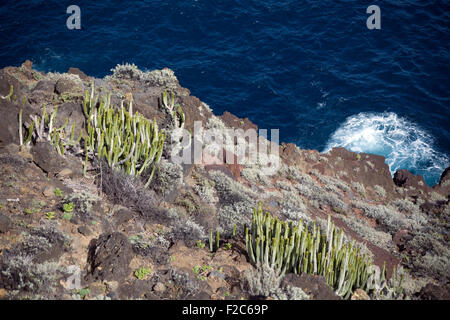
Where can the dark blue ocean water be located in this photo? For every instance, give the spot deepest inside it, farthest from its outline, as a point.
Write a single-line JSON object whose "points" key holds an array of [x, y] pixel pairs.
{"points": [[310, 68]]}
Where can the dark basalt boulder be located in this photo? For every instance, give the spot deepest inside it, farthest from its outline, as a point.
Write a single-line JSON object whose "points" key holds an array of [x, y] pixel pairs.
{"points": [[67, 85], [414, 184], [9, 123], [46, 157], [435, 292], [403, 178], [45, 86], [73, 112], [43, 91], [316, 286], [5, 223], [7, 80], [401, 239], [109, 257], [434, 208]]}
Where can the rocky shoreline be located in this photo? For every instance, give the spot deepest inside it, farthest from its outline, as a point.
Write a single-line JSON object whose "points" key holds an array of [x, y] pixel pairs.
{"points": [[70, 232]]}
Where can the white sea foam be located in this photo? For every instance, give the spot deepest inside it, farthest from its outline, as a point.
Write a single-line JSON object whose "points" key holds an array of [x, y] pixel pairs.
{"points": [[404, 144]]}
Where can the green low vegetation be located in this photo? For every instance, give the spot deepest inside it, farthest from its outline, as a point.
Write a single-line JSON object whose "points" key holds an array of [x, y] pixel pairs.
{"points": [[200, 244], [58, 192], [50, 215], [67, 216], [142, 273], [201, 271], [83, 292], [68, 207]]}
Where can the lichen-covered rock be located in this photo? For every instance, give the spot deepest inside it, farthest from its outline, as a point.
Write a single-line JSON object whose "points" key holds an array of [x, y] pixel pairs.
{"points": [[19, 273], [190, 285], [44, 243], [69, 87], [45, 85]]}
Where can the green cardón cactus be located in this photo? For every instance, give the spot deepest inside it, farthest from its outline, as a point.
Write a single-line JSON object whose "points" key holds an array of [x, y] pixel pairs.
{"points": [[175, 122], [42, 129], [178, 117], [297, 249], [126, 140], [211, 241], [217, 240], [20, 127]]}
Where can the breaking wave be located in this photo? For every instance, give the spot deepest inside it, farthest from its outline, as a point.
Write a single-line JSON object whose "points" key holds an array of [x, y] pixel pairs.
{"points": [[403, 143]]}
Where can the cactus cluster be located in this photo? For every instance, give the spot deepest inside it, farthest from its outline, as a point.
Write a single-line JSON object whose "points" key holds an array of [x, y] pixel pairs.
{"points": [[42, 129], [290, 248], [126, 140], [211, 243], [174, 121], [177, 115], [383, 288]]}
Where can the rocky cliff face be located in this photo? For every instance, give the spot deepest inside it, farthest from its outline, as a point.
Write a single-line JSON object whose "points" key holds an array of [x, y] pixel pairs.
{"points": [[69, 235]]}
